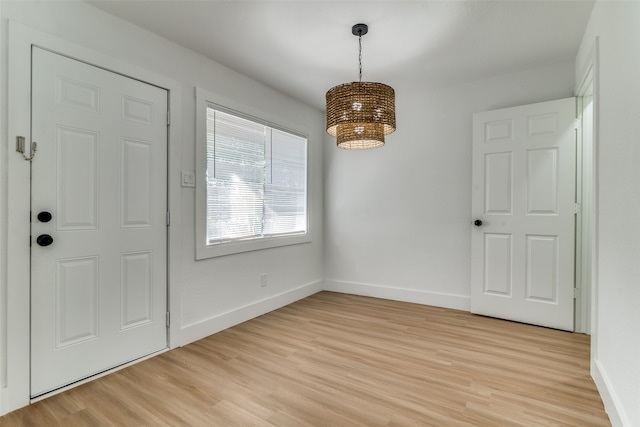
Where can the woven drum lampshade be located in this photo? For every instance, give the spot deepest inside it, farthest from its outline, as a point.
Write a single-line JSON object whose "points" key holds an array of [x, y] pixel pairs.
{"points": [[360, 114]]}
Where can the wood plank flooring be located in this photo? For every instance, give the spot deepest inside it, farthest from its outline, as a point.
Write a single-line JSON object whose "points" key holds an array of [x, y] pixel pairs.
{"points": [[344, 360]]}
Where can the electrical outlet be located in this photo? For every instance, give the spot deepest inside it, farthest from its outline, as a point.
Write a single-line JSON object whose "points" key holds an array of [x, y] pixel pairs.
{"points": [[264, 280]]}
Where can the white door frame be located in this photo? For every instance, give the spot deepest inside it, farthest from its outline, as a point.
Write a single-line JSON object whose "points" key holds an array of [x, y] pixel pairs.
{"points": [[585, 194], [15, 393], [586, 236]]}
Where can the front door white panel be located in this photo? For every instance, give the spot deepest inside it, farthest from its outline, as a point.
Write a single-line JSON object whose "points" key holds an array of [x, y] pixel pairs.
{"points": [[99, 290], [524, 193]]}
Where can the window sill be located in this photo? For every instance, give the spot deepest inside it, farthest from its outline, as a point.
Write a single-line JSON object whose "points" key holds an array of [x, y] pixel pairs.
{"points": [[240, 246]]}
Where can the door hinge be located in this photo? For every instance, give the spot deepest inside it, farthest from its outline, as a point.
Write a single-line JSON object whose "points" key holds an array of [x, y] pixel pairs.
{"points": [[168, 117], [577, 208], [168, 319], [576, 293], [577, 123], [168, 218]]}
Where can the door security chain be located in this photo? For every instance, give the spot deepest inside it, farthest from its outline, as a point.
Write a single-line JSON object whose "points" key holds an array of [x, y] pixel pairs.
{"points": [[20, 148]]}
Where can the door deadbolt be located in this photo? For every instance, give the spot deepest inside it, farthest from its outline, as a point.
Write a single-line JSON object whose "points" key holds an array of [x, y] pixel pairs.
{"points": [[44, 216]]}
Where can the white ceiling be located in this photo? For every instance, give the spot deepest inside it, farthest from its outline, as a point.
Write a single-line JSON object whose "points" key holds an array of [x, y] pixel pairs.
{"points": [[302, 48]]}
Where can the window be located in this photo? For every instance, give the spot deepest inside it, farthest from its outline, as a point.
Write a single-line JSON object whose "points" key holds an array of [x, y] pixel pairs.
{"points": [[255, 177]]}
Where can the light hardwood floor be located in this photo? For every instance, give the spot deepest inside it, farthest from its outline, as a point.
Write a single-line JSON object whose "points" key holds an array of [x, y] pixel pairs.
{"points": [[343, 360]]}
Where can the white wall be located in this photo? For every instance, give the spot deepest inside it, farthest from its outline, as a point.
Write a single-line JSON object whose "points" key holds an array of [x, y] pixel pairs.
{"points": [[398, 219], [3, 210], [215, 293], [616, 337]]}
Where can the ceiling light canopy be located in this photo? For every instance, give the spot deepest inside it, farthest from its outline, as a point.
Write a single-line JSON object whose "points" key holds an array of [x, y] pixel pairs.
{"points": [[360, 114]]}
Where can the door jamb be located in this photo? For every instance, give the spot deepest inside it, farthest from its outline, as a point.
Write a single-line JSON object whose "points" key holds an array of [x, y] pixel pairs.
{"points": [[586, 238], [584, 185], [15, 393]]}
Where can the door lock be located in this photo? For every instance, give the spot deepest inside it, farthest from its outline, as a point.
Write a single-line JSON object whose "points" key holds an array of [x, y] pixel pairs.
{"points": [[44, 240], [44, 216], [20, 148]]}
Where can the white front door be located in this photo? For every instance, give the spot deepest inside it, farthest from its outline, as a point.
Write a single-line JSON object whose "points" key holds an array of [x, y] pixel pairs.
{"points": [[98, 201], [524, 197]]}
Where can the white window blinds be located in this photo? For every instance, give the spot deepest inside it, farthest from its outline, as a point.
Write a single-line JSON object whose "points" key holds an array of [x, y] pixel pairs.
{"points": [[256, 179]]}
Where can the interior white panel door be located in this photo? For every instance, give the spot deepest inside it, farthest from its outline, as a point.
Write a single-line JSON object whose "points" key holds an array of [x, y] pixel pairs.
{"points": [[524, 197], [98, 283]]}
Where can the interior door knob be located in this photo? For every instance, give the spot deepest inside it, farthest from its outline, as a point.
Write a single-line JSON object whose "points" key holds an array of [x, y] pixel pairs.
{"points": [[477, 222], [44, 240]]}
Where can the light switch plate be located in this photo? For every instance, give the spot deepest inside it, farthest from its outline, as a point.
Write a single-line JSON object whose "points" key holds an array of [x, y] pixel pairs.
{"points": [[188, 179]]}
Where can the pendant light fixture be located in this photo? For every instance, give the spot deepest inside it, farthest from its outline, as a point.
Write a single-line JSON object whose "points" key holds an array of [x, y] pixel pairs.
{"points": [[360, 114]]}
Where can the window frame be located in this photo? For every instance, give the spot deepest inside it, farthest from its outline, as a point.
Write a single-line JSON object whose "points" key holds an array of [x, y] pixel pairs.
{"points": [[206, 99]]}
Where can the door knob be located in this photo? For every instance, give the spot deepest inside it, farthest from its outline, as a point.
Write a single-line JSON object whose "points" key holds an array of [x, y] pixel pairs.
{"points": [[44, 216], [44, 240], [477, 222]]}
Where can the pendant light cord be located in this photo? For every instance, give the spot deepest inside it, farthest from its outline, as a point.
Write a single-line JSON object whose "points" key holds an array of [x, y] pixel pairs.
{"points": [[360, 55]]}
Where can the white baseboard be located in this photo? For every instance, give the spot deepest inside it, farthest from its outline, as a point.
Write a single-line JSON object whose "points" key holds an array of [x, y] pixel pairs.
{"points": [[458, 302], [609, 397], [212, 325], [4, 401]]}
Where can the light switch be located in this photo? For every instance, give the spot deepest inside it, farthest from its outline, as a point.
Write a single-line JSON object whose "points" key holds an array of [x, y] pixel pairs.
{"points": [[188, 179]]}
